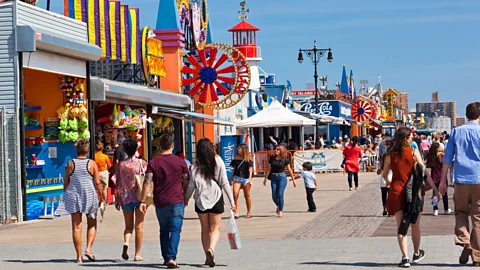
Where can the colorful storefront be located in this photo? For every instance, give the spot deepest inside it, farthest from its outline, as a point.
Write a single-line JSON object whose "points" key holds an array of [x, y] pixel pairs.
{"points": [[44, 92]]}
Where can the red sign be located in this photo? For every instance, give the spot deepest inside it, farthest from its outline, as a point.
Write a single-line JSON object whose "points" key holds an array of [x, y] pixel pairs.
{"points": [[38, 36], [297, 93]]}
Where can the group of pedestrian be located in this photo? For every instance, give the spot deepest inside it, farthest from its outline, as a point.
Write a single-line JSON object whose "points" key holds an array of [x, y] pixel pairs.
{"points": [[164, 182], [405, 179]]}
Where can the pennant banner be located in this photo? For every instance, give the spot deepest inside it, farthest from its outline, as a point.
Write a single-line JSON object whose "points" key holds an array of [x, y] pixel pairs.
{"points": [[135, 36], [125, 34], [115, 29]]}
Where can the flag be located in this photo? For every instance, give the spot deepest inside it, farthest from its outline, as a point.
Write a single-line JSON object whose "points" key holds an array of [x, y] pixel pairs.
{"points": [[75, 9], [344, 84], [115, 29], [135, 36], [125, 34], [353, 93], [104, 12]]}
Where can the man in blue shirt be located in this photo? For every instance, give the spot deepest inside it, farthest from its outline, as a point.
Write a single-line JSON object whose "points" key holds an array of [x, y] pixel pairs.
{"points": [[464, 146]]}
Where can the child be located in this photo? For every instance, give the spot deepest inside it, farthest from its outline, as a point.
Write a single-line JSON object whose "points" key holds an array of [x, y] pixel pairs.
{"points": [[383, 183], [434, 161], [310, 185], [103, 163]]}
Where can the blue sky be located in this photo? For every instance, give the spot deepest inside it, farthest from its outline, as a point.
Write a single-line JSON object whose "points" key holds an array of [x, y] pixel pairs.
{"points": [[416, 46]]}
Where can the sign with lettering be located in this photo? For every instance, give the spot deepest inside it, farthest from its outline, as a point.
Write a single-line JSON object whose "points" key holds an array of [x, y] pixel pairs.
{"points": [[152, 56], [228, 150], [390, 107], [51, 129], [330, 108], [304, 93]]}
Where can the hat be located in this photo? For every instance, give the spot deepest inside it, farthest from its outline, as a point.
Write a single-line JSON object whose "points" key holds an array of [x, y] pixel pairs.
{"points": [[345, 136]]}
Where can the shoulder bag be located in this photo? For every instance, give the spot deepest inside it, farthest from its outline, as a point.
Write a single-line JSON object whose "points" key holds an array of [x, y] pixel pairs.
{"points": [[140, 179]]}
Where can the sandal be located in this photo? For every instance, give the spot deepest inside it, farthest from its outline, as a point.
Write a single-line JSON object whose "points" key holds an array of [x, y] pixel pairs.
{"points": [[138, 259], [125, 253], [237, 217], [210, 258], [248, 216], [90, 257], [172, 265]]}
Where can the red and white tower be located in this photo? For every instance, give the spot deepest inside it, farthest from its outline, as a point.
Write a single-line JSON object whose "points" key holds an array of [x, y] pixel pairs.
{"points": [[244, 38]]}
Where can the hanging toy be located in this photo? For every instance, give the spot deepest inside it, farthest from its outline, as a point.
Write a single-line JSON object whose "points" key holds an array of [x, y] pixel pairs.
{"points": [[63, 124], [72, 136], [62, 112], [73, 124], [62, 136], [83, 123], [84, 134], [115, 121], [63, 83], [26, 120]]}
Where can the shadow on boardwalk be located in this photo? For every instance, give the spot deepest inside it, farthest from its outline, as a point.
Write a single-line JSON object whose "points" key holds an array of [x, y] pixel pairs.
{"points": [[377, 265]]}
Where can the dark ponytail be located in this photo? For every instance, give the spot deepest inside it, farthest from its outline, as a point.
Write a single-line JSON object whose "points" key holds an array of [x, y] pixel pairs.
{"points": [[354, 141]]}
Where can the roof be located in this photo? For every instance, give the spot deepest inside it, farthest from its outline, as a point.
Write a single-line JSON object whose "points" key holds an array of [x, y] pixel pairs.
{"points": [[243, 25]]}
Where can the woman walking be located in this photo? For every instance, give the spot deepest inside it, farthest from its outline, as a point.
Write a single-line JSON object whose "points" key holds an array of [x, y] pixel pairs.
{"points": [[401, 159], [352, 153], [242, 174], [435, 162], [126, 198], [276, 171], [209, 179], [82, 193]]}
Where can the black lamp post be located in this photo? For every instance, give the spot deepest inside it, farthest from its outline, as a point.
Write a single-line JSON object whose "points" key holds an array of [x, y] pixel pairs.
{"points": [[315, 54]]}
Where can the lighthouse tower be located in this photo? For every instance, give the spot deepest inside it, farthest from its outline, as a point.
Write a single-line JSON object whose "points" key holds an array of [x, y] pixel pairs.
{"points": [[244, 38]]}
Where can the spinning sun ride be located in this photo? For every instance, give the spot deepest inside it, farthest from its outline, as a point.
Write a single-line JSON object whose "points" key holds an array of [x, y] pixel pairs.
{"points": [[362, 111], [209, 73]]}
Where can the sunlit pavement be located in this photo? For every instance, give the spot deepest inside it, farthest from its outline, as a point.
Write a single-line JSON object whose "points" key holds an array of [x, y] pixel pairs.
{"points": [[347, 231]]}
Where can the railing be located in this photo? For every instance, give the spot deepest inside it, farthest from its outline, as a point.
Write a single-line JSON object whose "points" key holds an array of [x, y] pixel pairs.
{"points": [[261, 160]]}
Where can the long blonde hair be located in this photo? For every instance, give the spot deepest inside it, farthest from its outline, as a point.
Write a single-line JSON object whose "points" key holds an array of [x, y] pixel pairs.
{"points": [[282, 152], [245, 153]]}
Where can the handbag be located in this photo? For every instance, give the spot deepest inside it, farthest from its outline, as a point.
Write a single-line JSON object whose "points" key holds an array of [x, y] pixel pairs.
{"points": [[140, 179]]}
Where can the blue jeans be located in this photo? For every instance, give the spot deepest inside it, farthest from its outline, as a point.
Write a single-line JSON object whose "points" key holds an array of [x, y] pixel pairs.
{"points": [[278, 183], [170, 219]]}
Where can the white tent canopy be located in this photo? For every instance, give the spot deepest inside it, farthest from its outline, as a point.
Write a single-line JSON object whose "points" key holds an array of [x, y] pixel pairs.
{"points": [[275, 115]]}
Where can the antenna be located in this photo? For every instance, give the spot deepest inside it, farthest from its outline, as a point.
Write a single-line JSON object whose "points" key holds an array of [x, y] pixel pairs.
{"points": [[243, 13]]}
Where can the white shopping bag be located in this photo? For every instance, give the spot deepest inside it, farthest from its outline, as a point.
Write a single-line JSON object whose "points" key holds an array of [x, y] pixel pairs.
{"points": [[233, 234]]}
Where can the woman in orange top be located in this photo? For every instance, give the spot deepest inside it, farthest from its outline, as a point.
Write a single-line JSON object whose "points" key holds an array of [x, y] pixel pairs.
{"points": [[352, 153], [401, 159], [103, 163]]}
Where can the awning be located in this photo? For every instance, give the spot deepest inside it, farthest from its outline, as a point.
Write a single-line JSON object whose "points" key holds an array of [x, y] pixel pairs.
{"points": [[104, 90], [194, 117], [30, 39]]}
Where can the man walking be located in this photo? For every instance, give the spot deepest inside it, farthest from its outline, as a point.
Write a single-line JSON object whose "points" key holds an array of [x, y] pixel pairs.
{"points": [[464, 146], [169, 175]]}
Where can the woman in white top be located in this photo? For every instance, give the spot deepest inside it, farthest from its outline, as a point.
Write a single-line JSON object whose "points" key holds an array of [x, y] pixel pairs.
{"points": [[209, 178]]}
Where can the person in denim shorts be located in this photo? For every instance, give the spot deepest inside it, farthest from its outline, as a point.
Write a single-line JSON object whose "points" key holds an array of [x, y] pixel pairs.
{"points": [[241, 178]]}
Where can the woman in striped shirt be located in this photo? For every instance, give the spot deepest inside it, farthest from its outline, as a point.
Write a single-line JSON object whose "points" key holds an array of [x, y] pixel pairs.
{"points": [[83, 194]]}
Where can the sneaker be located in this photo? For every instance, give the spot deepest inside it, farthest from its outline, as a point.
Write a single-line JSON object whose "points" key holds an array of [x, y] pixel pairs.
{"points": [[448, 211], [405, 263], [419, 257], [350, 189], [435, 213], [385, 212]]}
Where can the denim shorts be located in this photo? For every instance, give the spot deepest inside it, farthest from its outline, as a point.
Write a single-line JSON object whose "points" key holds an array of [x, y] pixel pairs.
{"points": [[241, 180], [131, 206]]}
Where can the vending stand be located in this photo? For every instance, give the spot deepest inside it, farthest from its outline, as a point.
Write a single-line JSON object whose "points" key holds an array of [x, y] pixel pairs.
{"points": [[44, 90]]}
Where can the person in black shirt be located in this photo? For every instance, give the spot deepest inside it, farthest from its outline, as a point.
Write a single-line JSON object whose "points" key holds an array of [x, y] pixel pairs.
{"points": [[276, 173], [119, 154], [242, 174]]}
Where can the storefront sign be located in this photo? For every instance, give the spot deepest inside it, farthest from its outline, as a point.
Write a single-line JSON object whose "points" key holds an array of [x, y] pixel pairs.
{"points": [[327, 160], [390, 107], [152, 56], [329, 108], [51, 129], [228, 148]]}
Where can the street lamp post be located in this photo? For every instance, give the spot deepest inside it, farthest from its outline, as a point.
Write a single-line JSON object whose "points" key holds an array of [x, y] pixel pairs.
{"points": [[315, 54]]}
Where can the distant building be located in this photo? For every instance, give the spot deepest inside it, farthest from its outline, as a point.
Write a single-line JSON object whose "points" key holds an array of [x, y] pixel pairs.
{"points": [[438, 108], [461, 121], [402, 99]]}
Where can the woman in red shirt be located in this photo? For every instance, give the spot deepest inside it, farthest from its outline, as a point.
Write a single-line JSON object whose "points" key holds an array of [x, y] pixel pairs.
{"points": [[352, 153]]}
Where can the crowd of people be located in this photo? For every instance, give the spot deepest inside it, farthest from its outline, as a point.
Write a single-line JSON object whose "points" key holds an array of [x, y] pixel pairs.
{"points": [[409, 166]]}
